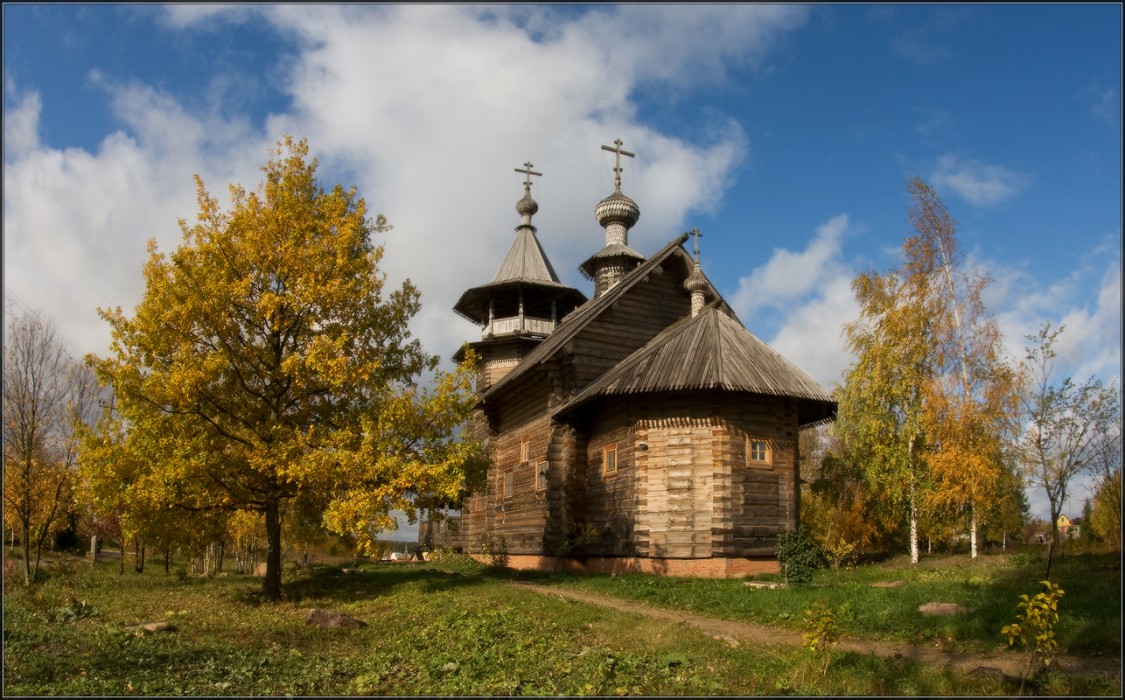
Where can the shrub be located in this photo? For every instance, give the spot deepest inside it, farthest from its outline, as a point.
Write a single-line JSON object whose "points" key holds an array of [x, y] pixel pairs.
{"points": [[798, 556], [1035, 627], [1021, 559]]}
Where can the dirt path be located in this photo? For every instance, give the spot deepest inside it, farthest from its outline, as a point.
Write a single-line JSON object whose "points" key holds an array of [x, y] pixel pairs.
{"points": [[1010, 664]]}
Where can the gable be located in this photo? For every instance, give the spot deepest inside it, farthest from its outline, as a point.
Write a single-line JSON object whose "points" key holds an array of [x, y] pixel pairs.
{"points": [[617, 320]]}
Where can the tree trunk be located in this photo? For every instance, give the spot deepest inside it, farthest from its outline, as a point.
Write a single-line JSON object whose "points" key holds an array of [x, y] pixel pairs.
{"points": [[39, 536], [121, 546], [25, 541], [973, 529], [222, 550], [913, 533], [168, 560], [271, 585], [913, 527], [1055, 524], [139, 553]]}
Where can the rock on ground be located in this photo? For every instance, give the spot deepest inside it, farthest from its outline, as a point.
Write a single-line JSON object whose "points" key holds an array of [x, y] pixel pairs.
{"points": [[932, 609], [333, 618]]}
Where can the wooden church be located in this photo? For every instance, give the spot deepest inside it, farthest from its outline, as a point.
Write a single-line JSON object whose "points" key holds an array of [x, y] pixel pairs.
{"points": [[644, 429]]}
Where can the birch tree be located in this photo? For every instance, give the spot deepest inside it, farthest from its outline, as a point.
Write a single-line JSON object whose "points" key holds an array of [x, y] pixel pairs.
{"points": [[971, 397], [1068, 426], [880, 415], [267, 365]]}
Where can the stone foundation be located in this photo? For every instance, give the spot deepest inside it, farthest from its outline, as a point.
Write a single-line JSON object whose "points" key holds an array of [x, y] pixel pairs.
{"points": [[716, 567]]}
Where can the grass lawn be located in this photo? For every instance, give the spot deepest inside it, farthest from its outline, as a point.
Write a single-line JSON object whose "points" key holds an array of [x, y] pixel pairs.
{"points": [[1089, 620], [456, 628]]}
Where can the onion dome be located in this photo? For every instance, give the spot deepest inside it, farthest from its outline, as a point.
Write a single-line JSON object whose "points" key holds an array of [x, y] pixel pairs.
{"points": [[696, 282], [617, 209], [527, 206]]}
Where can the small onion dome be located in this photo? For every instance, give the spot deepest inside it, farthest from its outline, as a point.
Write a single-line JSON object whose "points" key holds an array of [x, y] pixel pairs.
{"points": [[696, 282], [617, 208], [527, 206]]}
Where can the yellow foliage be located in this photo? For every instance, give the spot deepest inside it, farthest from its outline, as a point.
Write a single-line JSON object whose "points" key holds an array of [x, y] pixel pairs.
{"points": [[267, 364]]}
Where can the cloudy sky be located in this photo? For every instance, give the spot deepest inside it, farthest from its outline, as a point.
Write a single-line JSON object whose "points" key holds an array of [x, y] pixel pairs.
{"points": [[784, 133]]}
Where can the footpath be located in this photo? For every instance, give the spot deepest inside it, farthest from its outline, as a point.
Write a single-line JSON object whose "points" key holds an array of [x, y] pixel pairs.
{"points": [[734, 632]]}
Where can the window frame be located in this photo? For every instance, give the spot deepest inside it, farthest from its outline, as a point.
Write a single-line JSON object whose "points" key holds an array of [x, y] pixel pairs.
{"points": [[525, 450], [751, 461], [509, 483], [541, 481], [606, 452]]}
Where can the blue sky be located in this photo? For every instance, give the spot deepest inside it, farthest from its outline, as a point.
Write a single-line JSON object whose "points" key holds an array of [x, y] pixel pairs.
{"points": [[784, 133]]}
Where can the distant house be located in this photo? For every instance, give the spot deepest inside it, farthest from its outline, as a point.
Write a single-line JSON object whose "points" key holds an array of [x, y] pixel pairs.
{"points": [[644, 429], [1067, 528]]}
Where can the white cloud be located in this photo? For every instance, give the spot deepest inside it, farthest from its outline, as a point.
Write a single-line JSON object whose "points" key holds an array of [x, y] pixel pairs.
{"points": [[978, 183], [427, 110], [812, 287], [787, 274], [812, 337], [1090, 345], [21, 126]]}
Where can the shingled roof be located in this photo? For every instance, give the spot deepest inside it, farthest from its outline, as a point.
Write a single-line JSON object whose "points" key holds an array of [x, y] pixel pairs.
{"points": [[526, 261], [572, 324], [711, 351], [525, 265]]}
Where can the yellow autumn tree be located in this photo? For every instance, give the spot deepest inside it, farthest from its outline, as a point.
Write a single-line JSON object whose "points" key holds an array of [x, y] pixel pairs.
{"points": [[268, 366], [881, 422], [971, 400]]}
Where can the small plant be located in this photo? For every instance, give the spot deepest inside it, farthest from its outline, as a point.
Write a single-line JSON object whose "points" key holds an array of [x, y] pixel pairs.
{"points": [[798, 556], [1035, 628], [823, 632], [496, 549], [73, 610]]}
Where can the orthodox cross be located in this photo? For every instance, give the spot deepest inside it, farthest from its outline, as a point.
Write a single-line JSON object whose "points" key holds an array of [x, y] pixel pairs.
{"points": [[529, 172], [697, 235], [617, 166]]}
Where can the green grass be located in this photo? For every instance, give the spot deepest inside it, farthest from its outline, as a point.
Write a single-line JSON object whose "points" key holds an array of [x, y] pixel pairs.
{"points": [[1090, 612], [448, 628]]}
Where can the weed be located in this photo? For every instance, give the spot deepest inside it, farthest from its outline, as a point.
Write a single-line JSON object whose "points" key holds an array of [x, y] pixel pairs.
{"points": [[496, 549], [823, 632]]}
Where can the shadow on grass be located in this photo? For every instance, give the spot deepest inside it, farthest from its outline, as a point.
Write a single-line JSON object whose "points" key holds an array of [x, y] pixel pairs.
{"points": [[330, 583], [1089, 613]]}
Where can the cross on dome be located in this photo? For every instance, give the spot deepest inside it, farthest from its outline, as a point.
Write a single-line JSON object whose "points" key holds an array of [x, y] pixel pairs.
{"points": [[697, 235], [529, 172], [617, 166]]}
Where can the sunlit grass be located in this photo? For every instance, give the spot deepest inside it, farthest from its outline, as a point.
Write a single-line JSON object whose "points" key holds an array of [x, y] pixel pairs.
{"points": [[1090, 620], [450, 628]]}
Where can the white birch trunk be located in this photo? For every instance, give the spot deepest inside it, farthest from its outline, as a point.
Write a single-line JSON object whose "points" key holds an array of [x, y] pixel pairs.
{"points": [[973, 529], [913, 530]]}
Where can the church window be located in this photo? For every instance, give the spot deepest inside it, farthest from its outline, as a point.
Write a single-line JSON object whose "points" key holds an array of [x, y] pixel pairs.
{"points": [[508, 484], [541, 476], [525, 450], [758, 453], [609, 460]]}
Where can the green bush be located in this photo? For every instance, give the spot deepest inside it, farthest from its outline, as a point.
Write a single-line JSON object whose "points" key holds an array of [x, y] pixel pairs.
{"points": [[1020, 559], [798, 556]]}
